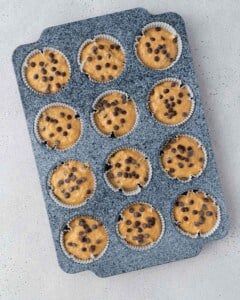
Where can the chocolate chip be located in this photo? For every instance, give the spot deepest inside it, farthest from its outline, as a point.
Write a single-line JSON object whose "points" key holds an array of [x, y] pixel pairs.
{"points": [[166, 91], [107, 65], [35, 76], [201, 159], [60, 182], [64, 74], [81, 222], [98, 67], [175, 39], [171, 170], [181, 148], [58, 85], [190, 165], [137, 214], [53, 69], [185, 218], [71, 244], [131, 210], [99, 57], [112, 46], [158, 28], [204, 207], [44, 79], [194, 212], [84, 249], [149, 50], [33, 64], [62, 114], [115, 127], [55, 61], [209, 213], [197, 224], [129, 230], [191, 202], [89, 192], [156, 58], [59, 129], [101, 46], [114, 67], [69, 126], [184, 209], [51, 135], [137, 223], [65, 133], [181, 165], [43, 71], [67, 195], [128, 222], [41, 63], [50, 78], [179, 203], [147, 44], [92, 248], [110, 77], [152, 38]]}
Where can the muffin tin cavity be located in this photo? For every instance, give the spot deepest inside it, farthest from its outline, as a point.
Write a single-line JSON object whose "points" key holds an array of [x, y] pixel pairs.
{"points": [[196, 214], [58, 126], [46, 71], [127, 170], [159, 46], [183, 157], [72, 183], [114, 114], [84, 239], [171, 102], [102, 58], [140, 226]]}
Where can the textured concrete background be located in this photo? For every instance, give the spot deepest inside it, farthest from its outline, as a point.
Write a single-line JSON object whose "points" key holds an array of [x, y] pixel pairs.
{"points": [[28, 266]]}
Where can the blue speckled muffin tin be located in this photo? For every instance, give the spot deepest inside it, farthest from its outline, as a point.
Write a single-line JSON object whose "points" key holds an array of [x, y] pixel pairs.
{"points": [[149, 137]]}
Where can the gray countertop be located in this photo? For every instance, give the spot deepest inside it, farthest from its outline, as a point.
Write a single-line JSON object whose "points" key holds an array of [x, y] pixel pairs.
{"points": [[28, 265]]}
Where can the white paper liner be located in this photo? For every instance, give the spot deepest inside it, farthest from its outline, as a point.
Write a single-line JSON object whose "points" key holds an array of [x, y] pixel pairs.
{"points": [[192, 176], [37, 135], [25, 64], [94, 110], [170, 29], [198, 235], [70, 256], [139, 187], [56, 199], [88, 41], [172, 79], [146, 247]]}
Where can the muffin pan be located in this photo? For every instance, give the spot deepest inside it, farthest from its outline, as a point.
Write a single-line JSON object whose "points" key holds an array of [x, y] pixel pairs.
{"points": [[159, 192]]}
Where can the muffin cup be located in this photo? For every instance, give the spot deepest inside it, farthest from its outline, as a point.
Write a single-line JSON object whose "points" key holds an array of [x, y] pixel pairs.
{"points": [[93, 108], [192, 176], [146, 247], [164, 26], [139, 188], [172, 79], [38, 137], [55, 198], [198, 235], [81, 261], [88, 41], [25, 64]]}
